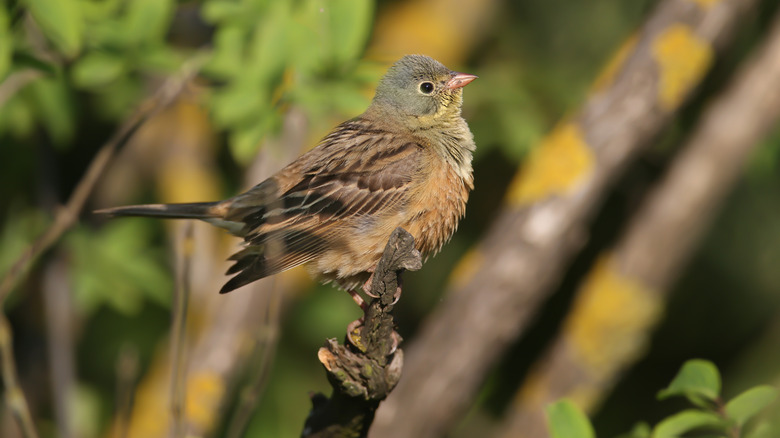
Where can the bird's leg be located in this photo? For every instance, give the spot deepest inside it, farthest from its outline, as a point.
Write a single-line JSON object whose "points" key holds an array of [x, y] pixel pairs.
{"points": [[354, 325], [358, 299]]}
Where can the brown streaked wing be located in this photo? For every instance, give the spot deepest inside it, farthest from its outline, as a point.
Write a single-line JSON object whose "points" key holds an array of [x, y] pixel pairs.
{"points": [[349, 174]]}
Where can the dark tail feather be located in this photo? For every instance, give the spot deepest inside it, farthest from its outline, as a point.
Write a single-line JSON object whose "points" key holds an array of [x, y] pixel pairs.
{"points": [[196, 210]]}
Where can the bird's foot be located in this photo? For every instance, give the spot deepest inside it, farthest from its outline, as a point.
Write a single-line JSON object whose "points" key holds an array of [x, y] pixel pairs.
{"points": [[354, 336], [358, 299], [353, 333], [367, 289]]}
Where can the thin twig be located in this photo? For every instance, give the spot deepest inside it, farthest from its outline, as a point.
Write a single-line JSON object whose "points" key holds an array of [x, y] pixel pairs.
{"points": [[57, 298], [127, 374], [66, 216], [264, 352], [14, 396], [178, 333]]}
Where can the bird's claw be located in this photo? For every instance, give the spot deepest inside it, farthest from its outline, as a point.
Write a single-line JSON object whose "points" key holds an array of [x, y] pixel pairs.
{"points": [[367, 287]]}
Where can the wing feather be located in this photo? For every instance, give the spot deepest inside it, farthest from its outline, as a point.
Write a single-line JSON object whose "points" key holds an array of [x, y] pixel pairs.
{"points": [[305, 209]]}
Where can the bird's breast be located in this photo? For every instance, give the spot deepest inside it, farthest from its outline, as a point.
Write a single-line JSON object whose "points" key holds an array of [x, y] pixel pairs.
{"points": [[436, 206]]}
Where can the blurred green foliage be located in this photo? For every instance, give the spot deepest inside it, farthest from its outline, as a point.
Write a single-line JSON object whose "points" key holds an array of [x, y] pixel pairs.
{"points": [[699, 382], [295, 53], [93, 59], [568, 421], [101, 272]]}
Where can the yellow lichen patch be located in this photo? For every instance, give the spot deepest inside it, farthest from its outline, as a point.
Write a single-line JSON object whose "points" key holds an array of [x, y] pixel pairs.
{"points": [[204, 394], [184, 172], [609, 323], [607, 75], [444, 31], [468, 265], [682, 58], [555, 166], [705, 3]]}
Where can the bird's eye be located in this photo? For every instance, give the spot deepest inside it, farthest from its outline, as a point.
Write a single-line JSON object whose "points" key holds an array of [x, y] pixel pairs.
{"points": [[426, 88]]}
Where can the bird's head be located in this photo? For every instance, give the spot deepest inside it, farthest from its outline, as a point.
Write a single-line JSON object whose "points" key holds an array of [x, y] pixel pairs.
{"points": [[421, 87]]}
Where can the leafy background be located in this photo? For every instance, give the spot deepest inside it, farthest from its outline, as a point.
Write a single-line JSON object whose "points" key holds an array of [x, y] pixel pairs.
{"points": [[73, 70]]}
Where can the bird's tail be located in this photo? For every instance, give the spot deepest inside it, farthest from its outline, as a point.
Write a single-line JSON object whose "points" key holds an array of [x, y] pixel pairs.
{"points": [[196, 210]]}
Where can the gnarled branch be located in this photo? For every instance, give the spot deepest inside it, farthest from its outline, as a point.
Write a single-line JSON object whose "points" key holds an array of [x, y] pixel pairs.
{"points": [[363, 372]]}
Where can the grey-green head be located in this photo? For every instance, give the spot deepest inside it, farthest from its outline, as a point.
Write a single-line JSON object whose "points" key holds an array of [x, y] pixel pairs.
{"points": [[420, 86]]}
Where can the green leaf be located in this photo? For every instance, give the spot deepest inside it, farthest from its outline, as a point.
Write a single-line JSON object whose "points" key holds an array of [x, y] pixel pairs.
{"points": [[744, 406], [685, 421], [698, 380], [17, 117], [566, 420], [116, 267], [640, 430], [348, 24], [147, 21], [6, 44], [20, 228], [762, 430], [158, 58], [109, 32], [54, 107], [330, 35], [98, 11], [216, 11], [61, 22], [228, 54], [245, 139], [118, 100], [268, 48], [97, 69], [239, 103]]}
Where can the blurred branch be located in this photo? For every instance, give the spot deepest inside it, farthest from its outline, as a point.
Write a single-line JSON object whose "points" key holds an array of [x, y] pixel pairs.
{"points": [[127, 376], [265, 351], [544, 222], [15, 82], [363, 376], [596, 346], [178, 331], [66, 216], [14, 396], [234, 329], [59, 327]]}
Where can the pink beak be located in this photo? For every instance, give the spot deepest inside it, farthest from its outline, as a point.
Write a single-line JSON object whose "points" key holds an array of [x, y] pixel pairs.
{"points": [[459, 80]]}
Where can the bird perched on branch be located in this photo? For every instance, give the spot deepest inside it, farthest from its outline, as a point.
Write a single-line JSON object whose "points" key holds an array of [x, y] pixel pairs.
{"points": [[405, 162]]}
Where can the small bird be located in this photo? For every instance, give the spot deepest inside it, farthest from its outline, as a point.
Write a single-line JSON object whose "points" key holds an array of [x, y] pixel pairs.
{"points": [[405, 162]]}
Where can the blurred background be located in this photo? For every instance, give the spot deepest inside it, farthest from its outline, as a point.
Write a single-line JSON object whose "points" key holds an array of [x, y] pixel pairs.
{"points": [[234, 90]]}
